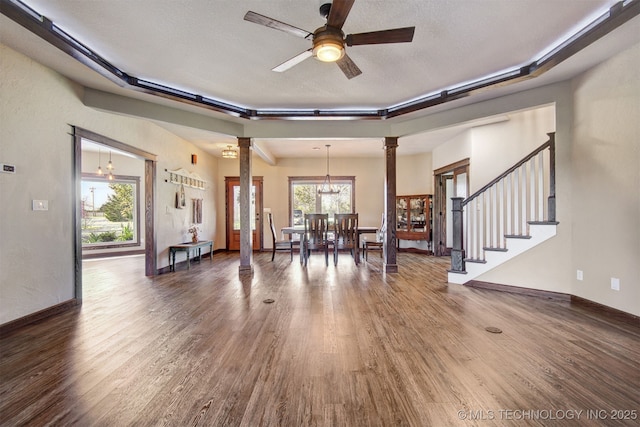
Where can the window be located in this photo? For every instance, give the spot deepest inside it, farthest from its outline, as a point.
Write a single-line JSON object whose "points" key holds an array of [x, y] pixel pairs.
{"points": [[110, 211], [304, 197]]}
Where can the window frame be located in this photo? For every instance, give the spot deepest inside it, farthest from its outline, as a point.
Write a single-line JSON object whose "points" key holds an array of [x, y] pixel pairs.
{"points": [[319, 180], [126, 179]]}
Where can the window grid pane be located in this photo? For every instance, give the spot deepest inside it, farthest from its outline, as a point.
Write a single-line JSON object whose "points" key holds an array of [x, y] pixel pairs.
{"points": [[305, 199]]}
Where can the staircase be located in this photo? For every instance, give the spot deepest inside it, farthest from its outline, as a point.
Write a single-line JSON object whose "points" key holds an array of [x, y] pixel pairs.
{"points": [[510, 215]]}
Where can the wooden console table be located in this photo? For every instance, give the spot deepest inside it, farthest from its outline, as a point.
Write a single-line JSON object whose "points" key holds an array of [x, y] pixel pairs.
{"points": [[188, 247]]}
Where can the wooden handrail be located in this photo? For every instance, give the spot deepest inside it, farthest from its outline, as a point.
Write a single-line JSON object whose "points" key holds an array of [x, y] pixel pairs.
{"points": [[547, 144], [490, 231]]}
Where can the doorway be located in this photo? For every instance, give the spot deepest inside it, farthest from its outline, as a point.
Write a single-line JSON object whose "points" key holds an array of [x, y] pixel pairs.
{"points": [[232, 197], [450, 181], [149, 159]]}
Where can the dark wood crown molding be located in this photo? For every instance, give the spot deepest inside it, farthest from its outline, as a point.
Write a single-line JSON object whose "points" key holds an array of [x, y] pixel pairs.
{"points": [[40, 25]]}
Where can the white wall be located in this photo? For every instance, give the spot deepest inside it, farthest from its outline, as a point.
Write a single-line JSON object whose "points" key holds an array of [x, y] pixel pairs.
{"points": [[497, 147], [453, 150], [37, 107]]}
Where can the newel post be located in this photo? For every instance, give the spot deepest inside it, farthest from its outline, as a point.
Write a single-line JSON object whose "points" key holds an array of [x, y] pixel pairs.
{"points": [[552, 178], [457, 252]]}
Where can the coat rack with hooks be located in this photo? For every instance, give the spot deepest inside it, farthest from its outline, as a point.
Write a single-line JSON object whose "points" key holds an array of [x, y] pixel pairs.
{"points": [[181, 176]]}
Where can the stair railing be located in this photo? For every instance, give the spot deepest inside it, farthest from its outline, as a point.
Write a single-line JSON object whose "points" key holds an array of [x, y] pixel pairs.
{"points": [[505, 207]]}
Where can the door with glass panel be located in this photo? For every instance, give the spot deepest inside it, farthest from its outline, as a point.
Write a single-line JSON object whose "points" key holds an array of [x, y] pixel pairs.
{"points": [[233, 213]]}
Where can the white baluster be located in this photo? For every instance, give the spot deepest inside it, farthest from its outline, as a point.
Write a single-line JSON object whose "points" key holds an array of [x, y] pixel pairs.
{"points": [[508, 205], [541, 186], [523, 213], [516, 201]]}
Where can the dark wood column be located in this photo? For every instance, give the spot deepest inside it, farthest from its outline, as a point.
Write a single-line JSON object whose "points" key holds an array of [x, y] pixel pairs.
{"points": [[390, 239], [151, 258], [246, 236]]}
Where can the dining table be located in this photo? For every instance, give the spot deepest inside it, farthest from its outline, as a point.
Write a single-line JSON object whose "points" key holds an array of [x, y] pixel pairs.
{"points": [[298, 229]]}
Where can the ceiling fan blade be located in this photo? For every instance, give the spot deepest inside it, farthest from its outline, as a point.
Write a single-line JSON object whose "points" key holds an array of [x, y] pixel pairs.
{"points": [[293, 61], [348, 67], [275, 24], [338, 13], [396, 35]]}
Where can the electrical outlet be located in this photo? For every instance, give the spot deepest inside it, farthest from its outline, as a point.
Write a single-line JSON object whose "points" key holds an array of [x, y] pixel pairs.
{"points": [[579, 275], [615, 284]]}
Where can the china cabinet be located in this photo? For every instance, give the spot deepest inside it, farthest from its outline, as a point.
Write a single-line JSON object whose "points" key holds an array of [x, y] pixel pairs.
{"points": [[415, 219]]}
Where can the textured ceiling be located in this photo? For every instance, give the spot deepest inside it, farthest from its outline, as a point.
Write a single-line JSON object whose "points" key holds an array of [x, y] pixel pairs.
{"points": [[205, 47]]}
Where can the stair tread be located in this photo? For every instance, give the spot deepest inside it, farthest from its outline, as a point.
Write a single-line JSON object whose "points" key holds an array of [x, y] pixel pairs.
{"points": [[517, 236], [543, 222], [488, 248], [475, 260]]}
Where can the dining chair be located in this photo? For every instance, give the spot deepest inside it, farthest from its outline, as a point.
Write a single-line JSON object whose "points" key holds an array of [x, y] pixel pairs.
{"points": [[279, 245], [368, 245], [345, 235], [315, 235]]}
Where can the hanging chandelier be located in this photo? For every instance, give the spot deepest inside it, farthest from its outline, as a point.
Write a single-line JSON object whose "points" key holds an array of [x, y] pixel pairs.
{"points": [[327, 187], [109, 166], [229, 153]]}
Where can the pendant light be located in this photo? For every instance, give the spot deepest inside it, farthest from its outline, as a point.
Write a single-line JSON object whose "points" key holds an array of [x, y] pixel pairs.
{"points": [[327, 187], [110, 168], [99, 167]]}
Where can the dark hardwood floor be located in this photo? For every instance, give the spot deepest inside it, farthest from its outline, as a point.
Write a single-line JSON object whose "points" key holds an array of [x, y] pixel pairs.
{"points": [[344, 346]]}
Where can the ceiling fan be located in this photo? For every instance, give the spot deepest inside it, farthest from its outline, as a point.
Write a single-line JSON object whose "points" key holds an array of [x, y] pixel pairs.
{"points": [[329, 40]]}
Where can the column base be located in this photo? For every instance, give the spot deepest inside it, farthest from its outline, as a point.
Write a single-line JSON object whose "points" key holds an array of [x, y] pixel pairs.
{"points": [[391, 268], [245, 269]]}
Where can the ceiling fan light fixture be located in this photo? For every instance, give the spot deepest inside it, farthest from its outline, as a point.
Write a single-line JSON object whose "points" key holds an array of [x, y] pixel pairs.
{"points": [[328, 44], [328, 51]]}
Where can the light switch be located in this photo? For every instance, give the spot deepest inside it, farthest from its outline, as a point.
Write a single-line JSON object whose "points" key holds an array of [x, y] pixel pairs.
{"points": [[615, 284], [40, 205]]}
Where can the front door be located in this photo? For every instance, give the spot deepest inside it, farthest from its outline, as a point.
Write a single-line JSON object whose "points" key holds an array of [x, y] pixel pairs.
{"points": [[233, 212]]}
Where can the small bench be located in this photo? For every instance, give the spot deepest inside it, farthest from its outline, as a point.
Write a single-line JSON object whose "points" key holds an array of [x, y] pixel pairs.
{"points": [[188, 247]]}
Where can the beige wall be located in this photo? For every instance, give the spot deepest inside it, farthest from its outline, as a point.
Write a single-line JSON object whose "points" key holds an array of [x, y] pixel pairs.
{"points": [[606, 182], [37, 107], [414, 175]]}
